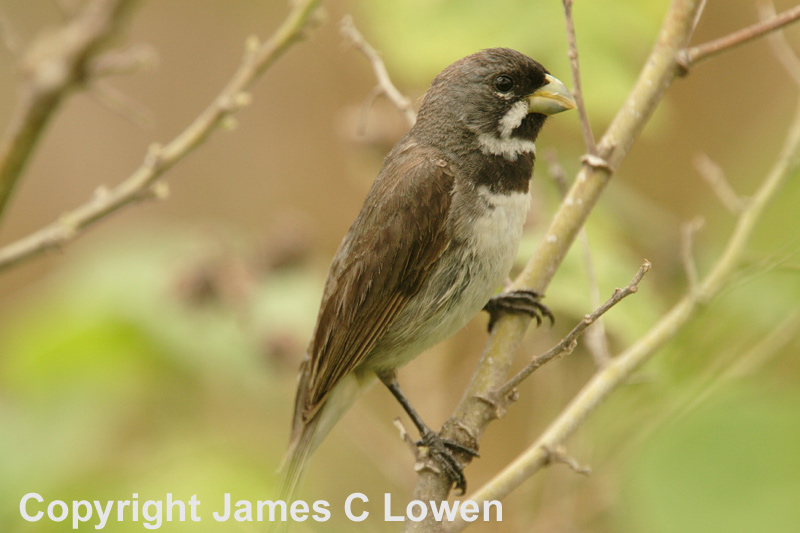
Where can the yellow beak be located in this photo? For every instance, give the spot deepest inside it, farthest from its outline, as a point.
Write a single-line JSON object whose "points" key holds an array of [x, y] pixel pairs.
{"points": [[551, 98]]}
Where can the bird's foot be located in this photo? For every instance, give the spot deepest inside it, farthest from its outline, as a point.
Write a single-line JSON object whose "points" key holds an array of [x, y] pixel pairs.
{"points": [[521, 301], [443, 451]]}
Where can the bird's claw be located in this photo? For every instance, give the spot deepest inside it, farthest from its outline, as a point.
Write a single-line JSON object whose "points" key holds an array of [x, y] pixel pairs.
{"points": [[443, 451], [521, 301]]}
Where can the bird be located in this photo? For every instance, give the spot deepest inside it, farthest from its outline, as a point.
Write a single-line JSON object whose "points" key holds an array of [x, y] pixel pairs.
{"points": [[432, 245]]}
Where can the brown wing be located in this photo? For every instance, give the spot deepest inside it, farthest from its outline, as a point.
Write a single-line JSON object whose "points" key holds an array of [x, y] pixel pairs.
{"points": [[382, 262]]}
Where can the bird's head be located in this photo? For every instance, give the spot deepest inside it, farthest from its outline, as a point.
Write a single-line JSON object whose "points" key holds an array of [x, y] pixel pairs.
{"points": [[496, 99]]}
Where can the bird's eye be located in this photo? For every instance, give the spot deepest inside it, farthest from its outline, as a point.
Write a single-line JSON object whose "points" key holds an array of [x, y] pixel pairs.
{"points": [[503, 83]]}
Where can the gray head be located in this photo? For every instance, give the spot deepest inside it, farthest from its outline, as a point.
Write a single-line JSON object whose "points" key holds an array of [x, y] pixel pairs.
{"points": [[496, 98]]}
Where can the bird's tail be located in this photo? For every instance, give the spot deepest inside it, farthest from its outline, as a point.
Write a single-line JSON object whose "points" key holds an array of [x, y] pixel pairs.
{"points": [[294, 465], [307, 434]]}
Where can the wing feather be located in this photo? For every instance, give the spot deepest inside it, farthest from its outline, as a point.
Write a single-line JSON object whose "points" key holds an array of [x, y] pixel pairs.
{"points": [[383, 261]]}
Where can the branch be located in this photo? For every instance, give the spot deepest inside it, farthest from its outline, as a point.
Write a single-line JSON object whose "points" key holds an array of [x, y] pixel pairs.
{"points": [[780, 45], [140, 185], [577, 91], [608, 379], [691, 56], [713, 174], [596, 338], [568, 343], [53, 65], [385, 85], [474, 413], [687, 255]]}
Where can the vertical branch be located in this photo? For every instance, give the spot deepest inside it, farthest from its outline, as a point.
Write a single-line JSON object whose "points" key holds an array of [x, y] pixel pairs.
{"points": [[577, 90]]}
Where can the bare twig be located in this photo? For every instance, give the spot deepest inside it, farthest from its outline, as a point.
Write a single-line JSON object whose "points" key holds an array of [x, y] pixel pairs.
{"points": [[133, 59], [119, 103], [780, 45], [691, 56], [608, 379], [687, 255], [139, 185], [577, 92], [567, 344], [596, 337], [560, 455], [53, 65], [405, 437], [713, 174], [698, 15], [385, 85]]}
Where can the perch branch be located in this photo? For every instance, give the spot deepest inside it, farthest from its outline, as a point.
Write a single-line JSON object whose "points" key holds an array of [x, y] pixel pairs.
{"points": [[141, 184], [608, 379], [474, 412]]}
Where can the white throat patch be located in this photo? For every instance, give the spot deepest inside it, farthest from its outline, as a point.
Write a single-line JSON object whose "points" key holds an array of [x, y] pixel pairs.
{"points": [[509, 147], [513, 118], [505, 145]]}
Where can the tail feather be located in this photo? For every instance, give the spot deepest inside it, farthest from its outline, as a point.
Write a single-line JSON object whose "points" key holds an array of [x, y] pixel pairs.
{"points": [[297, 456], [307, 434]]}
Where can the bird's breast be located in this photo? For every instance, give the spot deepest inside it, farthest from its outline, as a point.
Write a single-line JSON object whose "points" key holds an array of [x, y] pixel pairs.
{"points": [[496, 227], [486, 229]]}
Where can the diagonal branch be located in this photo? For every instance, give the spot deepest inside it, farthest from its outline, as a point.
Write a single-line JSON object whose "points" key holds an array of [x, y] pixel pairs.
{"points": [[567, 344], [53, 65], [608, 379], [140, 184], [385, 85], [692, 56], [780, 45], [474, 413]]}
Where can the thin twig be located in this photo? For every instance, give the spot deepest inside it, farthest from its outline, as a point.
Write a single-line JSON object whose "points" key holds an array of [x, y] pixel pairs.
{"points": [[138, 186], [131, 60], [691, 56], [118, 102], [780, 45], [577, 92], [596, 337], [713, 174], [560, 455], [687, 255], [698, 15], [567, 344], [385, 85]]}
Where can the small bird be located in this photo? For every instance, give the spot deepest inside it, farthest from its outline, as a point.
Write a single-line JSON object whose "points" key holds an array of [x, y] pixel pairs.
{"points": [[433, 243]]}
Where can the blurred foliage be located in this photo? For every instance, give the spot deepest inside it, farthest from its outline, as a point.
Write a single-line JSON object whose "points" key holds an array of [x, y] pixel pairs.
{"points": [[112, 382]]}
